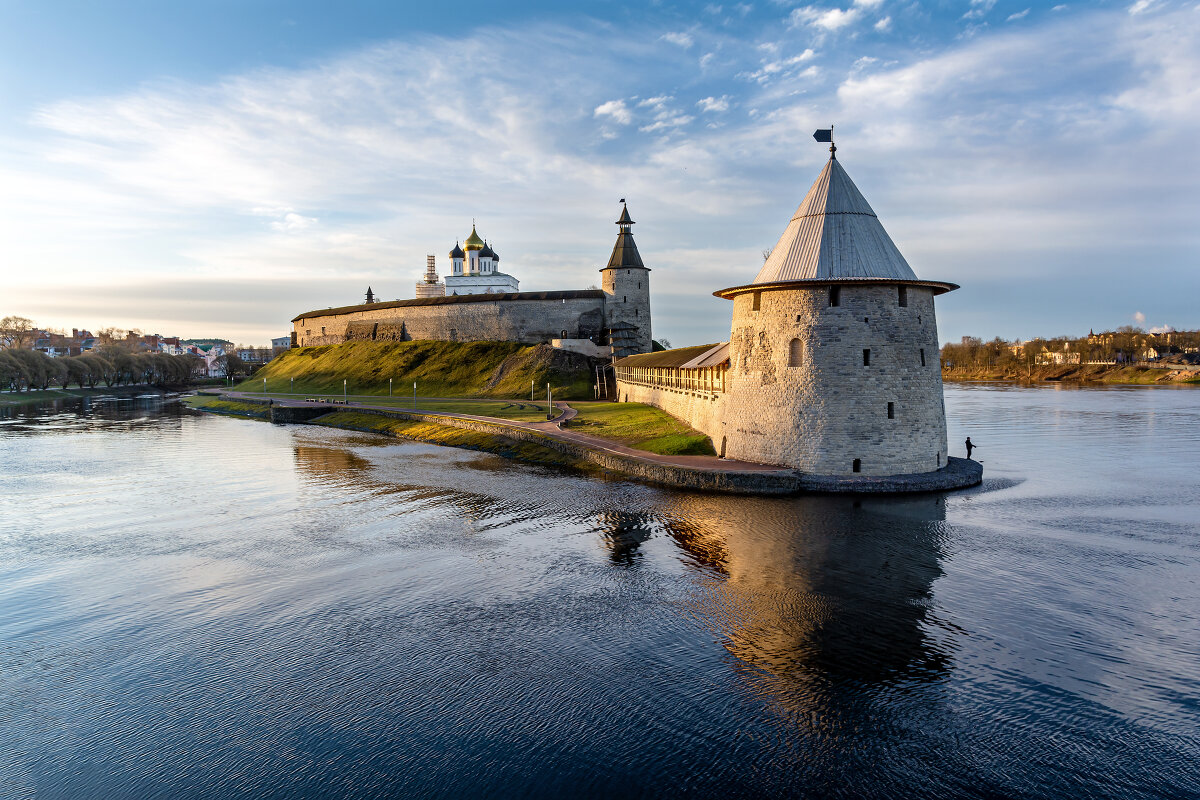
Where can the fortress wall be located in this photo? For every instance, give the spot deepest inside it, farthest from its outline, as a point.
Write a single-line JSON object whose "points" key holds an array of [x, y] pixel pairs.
{"points": [[702, 411], [828, 409], [527, 321]]}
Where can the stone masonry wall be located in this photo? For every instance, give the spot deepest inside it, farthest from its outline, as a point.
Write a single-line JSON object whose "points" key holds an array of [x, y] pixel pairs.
{"points": [[830, 408], [628, 290], [526, 321]]}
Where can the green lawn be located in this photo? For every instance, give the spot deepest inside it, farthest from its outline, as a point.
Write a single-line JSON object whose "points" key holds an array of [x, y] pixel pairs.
{"points": [[641, 426], [524, 411], [440, 369]]}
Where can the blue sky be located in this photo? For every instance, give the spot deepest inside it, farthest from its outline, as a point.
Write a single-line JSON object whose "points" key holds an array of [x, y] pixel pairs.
{"points": [[216, 168]]}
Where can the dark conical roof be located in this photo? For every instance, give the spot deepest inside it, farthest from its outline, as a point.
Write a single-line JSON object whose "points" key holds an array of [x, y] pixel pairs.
{"points": [[625, 252], [457, 252], [487, 251]]}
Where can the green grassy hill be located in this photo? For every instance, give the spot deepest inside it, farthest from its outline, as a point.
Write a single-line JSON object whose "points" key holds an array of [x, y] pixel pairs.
{"points": [[441, 369]]}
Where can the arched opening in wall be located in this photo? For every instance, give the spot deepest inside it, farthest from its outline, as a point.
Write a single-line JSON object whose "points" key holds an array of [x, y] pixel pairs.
{"points": [[835, 295], [757, 303], [724, 441], [795, 353], [902, 296], [564, 334], [857, 465]]}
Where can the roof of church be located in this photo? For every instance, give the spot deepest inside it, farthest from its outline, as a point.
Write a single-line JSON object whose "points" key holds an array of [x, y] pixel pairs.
{"points": [[473, 241], [835, 236], [457, 252], [487, 251], [625, 252], [575, 294]]}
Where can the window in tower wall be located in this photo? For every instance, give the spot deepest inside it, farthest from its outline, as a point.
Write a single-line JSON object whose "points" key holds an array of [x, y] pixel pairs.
{"points": [[835, 296], [891, 410], [757, 304], [922, 356], [866, 358], [903, 296], [795, 353]]}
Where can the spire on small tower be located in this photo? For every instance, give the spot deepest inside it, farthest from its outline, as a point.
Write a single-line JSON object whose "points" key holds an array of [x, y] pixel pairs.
{"points": [[625, 252], [370, 295]]}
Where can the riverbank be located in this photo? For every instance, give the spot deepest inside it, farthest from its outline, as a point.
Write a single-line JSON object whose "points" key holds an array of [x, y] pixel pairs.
{"points": [[1079, 373], [530, 441], [49, 395]]}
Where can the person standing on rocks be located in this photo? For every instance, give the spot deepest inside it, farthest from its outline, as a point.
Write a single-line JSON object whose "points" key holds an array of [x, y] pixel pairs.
{"points": [[970, 447]]}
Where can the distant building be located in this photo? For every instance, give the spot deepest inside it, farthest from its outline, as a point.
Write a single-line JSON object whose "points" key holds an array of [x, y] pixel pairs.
{"points": [[474, 269], [431, 286]]}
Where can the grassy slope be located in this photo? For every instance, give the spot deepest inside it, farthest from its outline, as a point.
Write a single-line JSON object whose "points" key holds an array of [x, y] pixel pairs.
{"points": [[641, 426], [451, 437], [441, 369]]}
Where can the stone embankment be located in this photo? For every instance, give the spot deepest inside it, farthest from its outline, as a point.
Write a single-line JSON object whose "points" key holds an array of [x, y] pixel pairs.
{"points": [[704, 473]]}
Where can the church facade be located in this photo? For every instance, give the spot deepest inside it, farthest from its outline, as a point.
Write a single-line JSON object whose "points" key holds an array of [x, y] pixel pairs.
{"points": [[476, 301]]}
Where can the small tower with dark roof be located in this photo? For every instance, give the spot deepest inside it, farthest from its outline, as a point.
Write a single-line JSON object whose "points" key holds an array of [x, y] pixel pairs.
{"points": [[370, 296], [626, 284]]}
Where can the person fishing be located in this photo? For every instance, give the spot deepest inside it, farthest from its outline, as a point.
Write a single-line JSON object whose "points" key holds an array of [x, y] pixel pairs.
{"points": [[970, 447]]}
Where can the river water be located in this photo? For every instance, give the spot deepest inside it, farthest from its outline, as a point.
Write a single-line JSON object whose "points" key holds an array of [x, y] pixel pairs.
{"points": [[205, 607]]}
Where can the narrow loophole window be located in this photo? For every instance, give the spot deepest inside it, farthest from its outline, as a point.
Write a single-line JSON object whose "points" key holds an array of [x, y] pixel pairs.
{"points": [[795, 353], [903, 296], [757, 301], [922, 356], [891, 410], [866, 358], [857, 466], [835, 295]]}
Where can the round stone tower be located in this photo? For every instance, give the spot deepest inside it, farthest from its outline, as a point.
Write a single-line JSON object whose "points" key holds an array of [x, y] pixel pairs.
{"points": [[626, 282], [834, 366]]}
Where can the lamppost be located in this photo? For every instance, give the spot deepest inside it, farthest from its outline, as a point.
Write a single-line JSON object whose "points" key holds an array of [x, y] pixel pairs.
{"points": [[293, 389], [549, 403], [414, 394], [343, 390], [264, 385], [389, 387], [531, 398]]}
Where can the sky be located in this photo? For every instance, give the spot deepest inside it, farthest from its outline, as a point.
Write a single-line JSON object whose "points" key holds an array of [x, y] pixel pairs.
{"points": [[213, 169]]}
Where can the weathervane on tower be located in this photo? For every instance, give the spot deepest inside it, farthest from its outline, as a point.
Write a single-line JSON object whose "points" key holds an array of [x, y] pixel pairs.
{"points": [[826, 135]]}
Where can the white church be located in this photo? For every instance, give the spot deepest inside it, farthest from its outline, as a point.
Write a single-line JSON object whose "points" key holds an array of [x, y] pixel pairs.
{"points": [[473, 270]]}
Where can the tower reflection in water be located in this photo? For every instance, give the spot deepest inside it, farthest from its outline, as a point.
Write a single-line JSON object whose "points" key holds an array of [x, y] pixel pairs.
{"points": [[810, 594]]}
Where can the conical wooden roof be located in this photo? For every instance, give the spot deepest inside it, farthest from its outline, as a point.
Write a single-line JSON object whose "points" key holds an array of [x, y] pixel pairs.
{"points": [[834, 234]]}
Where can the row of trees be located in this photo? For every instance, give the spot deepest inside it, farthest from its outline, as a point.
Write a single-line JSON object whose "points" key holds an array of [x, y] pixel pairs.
{"points": [[1124, 345], [112, 366]]}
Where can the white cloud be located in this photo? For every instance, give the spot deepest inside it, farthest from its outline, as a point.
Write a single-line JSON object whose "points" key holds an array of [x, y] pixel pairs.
{"points": [[680, 38], [1018, 15], [831, 19], [1139, 318], [1162, 329], [1141, 6], [979, 9], [657, 102], [862, 63], [884, 25], [868, 3], [706, 60], [615, 110], [783, 67], [714, 104]]}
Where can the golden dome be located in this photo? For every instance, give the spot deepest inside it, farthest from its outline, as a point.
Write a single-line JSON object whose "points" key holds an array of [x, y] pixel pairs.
{"points": [[473, 241]]}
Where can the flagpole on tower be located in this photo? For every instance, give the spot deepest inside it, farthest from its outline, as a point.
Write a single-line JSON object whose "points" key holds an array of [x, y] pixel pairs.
{"points": [[826, 135]]}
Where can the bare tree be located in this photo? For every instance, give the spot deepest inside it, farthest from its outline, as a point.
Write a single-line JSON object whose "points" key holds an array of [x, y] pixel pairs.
{"points": [[16, 331]]}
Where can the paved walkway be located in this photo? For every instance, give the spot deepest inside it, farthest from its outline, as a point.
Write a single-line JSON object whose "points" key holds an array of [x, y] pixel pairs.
{"points": [[551, 428]]}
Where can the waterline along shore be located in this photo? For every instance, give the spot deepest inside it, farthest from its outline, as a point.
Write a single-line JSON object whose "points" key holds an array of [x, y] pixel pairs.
{"points": [[553, 442], [1078, 373]]}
